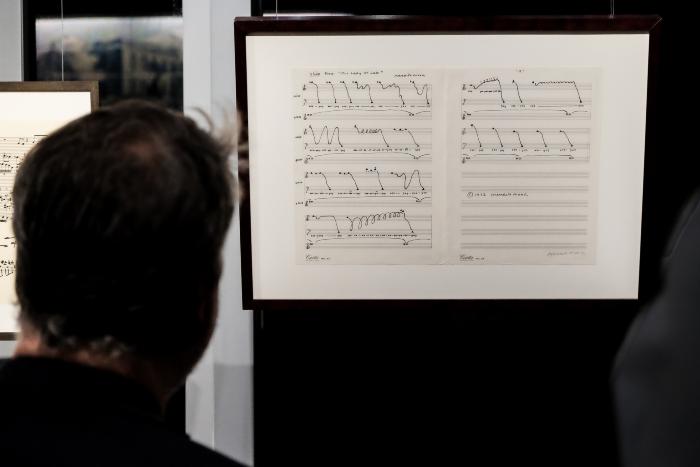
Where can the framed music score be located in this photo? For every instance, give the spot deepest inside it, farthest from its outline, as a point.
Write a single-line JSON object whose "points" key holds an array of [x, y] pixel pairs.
{"points": [[443, 159], [28, 112]]}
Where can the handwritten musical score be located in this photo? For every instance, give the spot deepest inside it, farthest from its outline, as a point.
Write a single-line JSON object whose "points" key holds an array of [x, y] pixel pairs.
{"points": [[365, 95], [13, 149], [455, 166], [389, 229], [28, 112], [525, 168], [367, 186], [364, 158], [7, 267], [496, 98], [480, 142]]}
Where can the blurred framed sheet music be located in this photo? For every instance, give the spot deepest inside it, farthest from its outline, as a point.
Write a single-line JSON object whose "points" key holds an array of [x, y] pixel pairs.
{"points": [[408, 158], [28, 112]]}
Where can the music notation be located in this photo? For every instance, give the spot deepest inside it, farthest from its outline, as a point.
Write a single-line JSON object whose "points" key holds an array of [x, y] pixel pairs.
{"points": [[388, 229], [366, 95], [491, 143], [359, 143], [498, 97], [527, 182], [26, 117], [13, 149], [364, 141], [367, 186], [7, 267], [458, 166], [366, 92]]}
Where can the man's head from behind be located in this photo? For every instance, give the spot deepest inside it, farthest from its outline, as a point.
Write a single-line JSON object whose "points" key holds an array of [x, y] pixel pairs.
{"points": [[120, 218]]}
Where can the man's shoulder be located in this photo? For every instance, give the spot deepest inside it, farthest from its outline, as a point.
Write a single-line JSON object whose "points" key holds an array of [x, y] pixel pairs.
{"points": [[165, 445], [115, 441], [79, 416]]}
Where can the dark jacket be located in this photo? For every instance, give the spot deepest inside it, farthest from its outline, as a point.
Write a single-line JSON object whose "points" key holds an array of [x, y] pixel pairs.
{"points": [[657, 376], [56, 413]]}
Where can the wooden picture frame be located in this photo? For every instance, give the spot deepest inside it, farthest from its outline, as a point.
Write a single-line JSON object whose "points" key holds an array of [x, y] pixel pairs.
{"points": [[90, 87], [55, 86], [434, 26]]}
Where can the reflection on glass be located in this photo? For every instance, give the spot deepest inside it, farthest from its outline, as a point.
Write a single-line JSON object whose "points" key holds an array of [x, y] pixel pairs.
{"points": [[130, 57]]}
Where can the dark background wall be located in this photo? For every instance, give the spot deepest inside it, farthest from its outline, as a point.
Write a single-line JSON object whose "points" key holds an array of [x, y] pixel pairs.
{"points": [[480, 384]]}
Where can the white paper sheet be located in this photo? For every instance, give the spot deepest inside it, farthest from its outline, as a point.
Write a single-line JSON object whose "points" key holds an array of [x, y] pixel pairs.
{"points": [[438, 166], [618, 61], [366, 162], [25, 118], [523, 165]]}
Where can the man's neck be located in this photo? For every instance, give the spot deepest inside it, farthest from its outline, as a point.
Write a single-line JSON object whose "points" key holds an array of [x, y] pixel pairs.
{"points": [[30, 344]]}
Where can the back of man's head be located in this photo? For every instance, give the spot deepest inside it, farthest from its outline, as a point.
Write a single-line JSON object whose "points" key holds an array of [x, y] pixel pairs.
{"points": [[120, 218]]}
